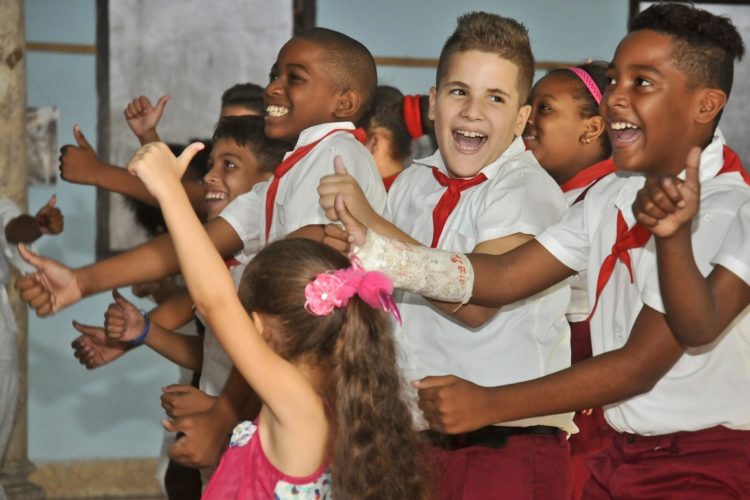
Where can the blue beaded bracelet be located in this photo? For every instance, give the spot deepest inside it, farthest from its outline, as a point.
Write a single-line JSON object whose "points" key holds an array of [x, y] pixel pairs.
{"points": [[140, 339]]}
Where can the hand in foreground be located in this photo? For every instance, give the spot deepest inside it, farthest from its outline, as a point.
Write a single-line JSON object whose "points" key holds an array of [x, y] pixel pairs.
{"points": [[356, 230], [143, 117], [336, 238], [205, 437], [93, 349], [51, 288], [79, 164], [123, 321], [49, 218], [179, 400], [665, 203], [452, 405], [159, 169], [342, 184]]}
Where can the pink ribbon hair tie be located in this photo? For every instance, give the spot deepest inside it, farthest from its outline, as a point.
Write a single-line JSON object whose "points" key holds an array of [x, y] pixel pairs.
{"points": [[333, 289]]}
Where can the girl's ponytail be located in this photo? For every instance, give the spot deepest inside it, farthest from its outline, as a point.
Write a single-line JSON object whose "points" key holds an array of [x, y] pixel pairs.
{"points": [[376, 451]]}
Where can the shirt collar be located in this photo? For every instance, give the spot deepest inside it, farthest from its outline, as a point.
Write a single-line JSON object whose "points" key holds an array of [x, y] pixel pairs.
{"points": [[515, 148], [316, 132]]}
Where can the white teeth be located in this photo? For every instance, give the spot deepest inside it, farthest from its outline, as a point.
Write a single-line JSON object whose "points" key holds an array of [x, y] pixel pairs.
{"points": [[277, 111], [622, 125], [469, 133], [215, 195]]}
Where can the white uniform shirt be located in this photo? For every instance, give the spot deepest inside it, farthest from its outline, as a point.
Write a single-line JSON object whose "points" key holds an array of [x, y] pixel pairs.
{"points": [[707, 386], [525, 340], [296, 204], [216, 363]]}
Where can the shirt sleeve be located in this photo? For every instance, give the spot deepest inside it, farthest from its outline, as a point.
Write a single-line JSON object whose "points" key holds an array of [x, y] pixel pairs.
{"points": [[524, 201], [568, 240], [735, 251], [297, 211], [243, 215]]}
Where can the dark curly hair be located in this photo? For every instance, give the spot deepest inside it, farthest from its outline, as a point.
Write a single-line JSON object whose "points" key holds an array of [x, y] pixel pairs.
{"points": [[705, 45], [376, 451]]}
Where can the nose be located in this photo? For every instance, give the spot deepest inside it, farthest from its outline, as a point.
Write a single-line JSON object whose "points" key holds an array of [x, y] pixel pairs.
{"points": [[614, 96], [273, 87], [211, 175], [472, 109]]}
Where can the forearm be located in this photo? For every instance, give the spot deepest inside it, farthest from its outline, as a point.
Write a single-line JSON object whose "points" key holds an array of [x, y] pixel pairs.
{"points": [[607, 378], [150, 261], [693, 317], [22, 229], [150, 136], [184, 350]]}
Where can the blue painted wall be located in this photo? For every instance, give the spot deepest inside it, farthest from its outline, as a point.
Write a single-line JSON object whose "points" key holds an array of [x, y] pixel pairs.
{"points": [[114, 411]]}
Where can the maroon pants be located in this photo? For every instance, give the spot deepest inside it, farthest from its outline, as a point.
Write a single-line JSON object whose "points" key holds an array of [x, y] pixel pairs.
{"points": [[594, 434], [710, 464], [528, 467]]}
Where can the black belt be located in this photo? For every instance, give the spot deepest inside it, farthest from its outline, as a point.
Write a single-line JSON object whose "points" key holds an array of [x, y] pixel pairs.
{"points": [[492, 436]]}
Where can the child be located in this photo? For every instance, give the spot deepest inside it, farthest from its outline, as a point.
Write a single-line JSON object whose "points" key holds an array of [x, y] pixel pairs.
{"points": [[321, 82], [479, 109], [17, 228], [566, 135], [682, 417], [668, 207], [392, 123], [79, 164], [306, 342]]}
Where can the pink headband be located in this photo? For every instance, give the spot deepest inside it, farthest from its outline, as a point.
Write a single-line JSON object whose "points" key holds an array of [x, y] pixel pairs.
{"points": [[334, 289], [589, 83], [413, 116]]}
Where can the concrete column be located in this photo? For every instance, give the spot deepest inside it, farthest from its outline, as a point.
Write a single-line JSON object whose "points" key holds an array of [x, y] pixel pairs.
{"points": [[16, 466]]}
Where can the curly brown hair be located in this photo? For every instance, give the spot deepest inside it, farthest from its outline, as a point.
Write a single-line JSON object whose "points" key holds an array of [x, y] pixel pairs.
{"points": [[376, 450]]}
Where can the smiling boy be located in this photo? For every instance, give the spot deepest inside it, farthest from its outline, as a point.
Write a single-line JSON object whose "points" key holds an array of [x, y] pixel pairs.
{"points": [[482, 191], [682, 415], [321, 82]]}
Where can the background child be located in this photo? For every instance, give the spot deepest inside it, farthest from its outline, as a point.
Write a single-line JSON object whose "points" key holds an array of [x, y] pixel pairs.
{"points": [[321, 332], [500, 197], [566, 135], [320, 84], [17, 228], [80, 164], [393, 122], [650, 383]]}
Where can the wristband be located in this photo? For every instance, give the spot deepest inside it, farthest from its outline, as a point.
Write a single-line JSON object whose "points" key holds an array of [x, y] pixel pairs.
{"points": [[140, 339]]}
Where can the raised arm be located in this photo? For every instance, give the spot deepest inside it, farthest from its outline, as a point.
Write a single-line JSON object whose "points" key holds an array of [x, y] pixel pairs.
{"points": [[80, 164], [667, 206], [290, 397], [55, 286], [143, 117]]}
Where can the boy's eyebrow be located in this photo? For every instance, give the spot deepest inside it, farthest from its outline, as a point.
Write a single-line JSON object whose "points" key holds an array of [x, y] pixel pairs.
{"points": [[646, 68], [459, 83], [297, 66]]}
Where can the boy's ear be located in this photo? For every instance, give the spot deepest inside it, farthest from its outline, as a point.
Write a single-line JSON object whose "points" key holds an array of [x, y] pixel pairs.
{"points": [[593, 130], [521, 119], [710, 104], [431, 107], [347, 105]]}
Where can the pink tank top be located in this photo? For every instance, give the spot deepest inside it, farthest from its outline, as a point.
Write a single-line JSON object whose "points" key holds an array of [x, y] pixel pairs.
{"points": [[246, 473]]}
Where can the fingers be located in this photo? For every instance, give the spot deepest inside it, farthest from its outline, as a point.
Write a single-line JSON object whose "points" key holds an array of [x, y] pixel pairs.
{"points": [[188, 153], [30, 257], [163, 100], [169, 425], [338, 165], [87, 330], [80, 138], [119, 299], [51, 202], [356, 230], [435, 381]]}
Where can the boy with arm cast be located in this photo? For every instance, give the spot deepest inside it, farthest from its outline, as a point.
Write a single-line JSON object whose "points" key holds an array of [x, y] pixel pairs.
{"points": [[679, 414]]}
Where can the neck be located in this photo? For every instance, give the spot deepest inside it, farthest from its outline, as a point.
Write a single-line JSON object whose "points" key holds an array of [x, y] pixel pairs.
{"points": [[388, 167]]}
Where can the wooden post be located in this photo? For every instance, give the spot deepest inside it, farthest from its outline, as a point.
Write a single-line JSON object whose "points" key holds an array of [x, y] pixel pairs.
{"points": [[16, 465]]}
